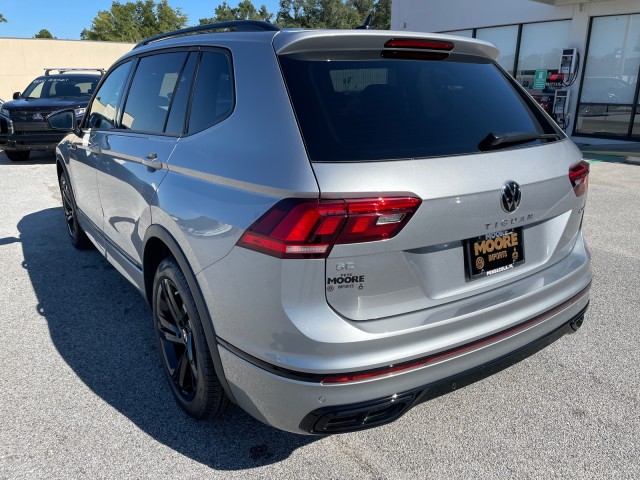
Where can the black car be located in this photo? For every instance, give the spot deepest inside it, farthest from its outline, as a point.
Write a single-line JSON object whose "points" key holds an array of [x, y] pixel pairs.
{"points": [[22, 121]]}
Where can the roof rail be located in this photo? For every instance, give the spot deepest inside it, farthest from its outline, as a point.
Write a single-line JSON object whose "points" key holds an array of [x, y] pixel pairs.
{"points": [[235, 25], [47, 71]]}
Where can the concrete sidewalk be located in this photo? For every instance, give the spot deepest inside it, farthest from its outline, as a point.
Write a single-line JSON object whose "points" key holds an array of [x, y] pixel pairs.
{"points": [[611, 152]]}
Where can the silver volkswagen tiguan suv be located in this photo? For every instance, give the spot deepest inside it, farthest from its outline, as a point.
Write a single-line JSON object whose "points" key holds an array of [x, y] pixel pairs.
{"points": [[330, 226]]}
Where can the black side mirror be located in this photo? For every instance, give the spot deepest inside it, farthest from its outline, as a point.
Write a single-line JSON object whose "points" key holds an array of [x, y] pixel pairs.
{"points": [[16, 95], [64, 120]]}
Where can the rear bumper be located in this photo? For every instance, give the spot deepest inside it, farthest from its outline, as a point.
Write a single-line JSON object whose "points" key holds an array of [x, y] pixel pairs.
{"points": [[308, 405], [348, 418]]}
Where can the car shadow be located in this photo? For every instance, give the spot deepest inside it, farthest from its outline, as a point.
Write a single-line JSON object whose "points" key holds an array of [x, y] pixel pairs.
{"points": [[101, 327], [36, 158]]}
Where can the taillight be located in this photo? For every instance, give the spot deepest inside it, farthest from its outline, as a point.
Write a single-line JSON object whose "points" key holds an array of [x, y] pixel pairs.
{"points": [[419, 43], [416, 49], [300, 228], [579, 177]]}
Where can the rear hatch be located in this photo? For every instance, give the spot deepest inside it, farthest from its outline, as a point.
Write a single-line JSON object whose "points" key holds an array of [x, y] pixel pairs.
{"points": [[493, 186]]}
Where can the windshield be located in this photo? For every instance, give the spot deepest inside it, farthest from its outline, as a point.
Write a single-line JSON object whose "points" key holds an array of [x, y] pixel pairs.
{"points": [[68, 86], [360, 110]]}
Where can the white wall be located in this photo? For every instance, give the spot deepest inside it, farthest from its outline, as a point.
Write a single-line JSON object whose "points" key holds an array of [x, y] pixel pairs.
{"points": [[443, 15]]}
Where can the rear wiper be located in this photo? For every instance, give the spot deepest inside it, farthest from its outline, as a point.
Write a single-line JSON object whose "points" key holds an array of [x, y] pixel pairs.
{"points": [[495, 141]]}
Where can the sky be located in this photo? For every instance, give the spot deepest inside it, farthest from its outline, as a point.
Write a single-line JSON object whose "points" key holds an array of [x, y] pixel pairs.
{"points": [[65, 19]]}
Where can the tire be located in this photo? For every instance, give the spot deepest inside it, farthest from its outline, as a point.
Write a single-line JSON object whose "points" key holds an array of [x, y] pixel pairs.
{"points": [[77, 236], [17, 155], [183, 346]]}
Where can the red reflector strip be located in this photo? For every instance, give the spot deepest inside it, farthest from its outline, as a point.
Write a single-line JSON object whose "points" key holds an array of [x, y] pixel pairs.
{"points": [[454, 352], [419, 43]]}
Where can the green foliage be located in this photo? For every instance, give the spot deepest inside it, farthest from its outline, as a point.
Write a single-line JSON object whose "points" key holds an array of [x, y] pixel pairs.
{"points": [[244, 11], [382, 15], [44, 33], [344, 14], [2, 19], [134, 21]]}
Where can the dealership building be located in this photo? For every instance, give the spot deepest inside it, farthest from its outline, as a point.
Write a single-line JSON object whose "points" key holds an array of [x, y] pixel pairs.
{"points": [[579, 59]]}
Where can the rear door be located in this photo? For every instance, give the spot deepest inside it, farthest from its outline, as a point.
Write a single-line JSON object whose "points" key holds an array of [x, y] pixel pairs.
{"points": [[445, 125]]}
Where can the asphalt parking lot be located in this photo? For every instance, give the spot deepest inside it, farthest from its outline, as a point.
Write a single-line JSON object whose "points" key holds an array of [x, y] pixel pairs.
{"points": [[82, 393]]}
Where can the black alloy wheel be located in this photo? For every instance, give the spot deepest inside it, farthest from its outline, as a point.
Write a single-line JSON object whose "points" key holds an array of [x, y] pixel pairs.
{"points": [[77, 236], [176, 337], [181, 339]]}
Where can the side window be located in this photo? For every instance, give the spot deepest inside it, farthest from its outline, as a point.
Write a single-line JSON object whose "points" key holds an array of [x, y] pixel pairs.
{"points": [[102, 114], [213, 92], [154, 83], [178, 110]]}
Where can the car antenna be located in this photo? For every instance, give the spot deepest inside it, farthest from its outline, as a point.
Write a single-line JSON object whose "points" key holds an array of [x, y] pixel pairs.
{"points": [[366, 25]]}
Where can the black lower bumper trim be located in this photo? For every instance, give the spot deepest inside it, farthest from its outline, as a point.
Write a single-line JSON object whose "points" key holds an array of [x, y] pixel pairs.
{"points": [[349, 418]]}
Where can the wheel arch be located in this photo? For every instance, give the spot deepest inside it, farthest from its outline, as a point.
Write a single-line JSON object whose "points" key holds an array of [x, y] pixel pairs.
{"points": [[159, 244]]}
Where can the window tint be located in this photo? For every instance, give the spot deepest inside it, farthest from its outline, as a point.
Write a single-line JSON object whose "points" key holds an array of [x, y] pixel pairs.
{"points": [[154, 82], [393, 109], [69, 86], [103, 108], [180, 99], [213, 92]]}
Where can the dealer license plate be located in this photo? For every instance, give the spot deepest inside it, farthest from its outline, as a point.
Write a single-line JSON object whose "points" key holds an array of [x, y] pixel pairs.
{"points": [[494, 253]]}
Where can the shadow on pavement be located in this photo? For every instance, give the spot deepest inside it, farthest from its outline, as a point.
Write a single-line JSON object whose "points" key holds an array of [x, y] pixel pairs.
{"points": [[101, 327], [36, 158]]}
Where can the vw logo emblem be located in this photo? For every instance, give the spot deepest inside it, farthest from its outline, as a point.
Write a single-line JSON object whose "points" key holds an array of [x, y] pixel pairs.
{"points": [[37, 116], [510, 196]]}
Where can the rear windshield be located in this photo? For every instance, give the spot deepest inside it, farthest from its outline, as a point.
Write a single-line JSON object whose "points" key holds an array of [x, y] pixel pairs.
{"points": [[360, 110]]}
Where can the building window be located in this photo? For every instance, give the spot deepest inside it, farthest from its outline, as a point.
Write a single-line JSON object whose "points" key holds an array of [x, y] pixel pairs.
{"points": [[506, 39], [461, 33], [610, 85], [541, 47]]}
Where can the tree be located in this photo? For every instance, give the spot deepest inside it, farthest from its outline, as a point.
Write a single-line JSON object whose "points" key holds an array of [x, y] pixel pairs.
{"points": [[382, 15], [245, 10], [318, 14], [44, 33], [134, 21], [343, 14], [2, 19]]}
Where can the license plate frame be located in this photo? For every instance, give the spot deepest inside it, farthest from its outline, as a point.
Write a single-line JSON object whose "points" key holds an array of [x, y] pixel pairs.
{"points": [[493, 253]]}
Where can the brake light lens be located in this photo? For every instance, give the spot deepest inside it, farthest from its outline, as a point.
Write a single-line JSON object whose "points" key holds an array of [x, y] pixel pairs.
{"points": [[579, 177], [419, 43], [300, 228]]}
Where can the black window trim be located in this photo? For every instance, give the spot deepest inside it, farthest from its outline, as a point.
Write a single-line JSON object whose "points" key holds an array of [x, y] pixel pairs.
{"points": [[227, 53], [85, 120], [120, 111], [135, 61]]}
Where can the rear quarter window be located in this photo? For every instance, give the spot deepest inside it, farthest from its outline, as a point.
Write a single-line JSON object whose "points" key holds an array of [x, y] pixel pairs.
{"points": [[361, 110], [213, 93]]}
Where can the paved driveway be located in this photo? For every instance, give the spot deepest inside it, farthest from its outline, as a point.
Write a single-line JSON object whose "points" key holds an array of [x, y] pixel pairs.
{"points": [[82, 392]]}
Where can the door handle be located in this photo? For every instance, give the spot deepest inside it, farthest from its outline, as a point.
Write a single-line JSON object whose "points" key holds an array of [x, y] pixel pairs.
{"points": [[152, 161], [73, 146]]}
